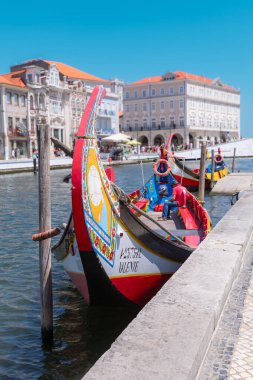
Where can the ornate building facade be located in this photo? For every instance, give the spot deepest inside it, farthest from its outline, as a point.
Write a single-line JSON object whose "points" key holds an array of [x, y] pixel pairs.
{"points": [[195, 109], [41, 91]]}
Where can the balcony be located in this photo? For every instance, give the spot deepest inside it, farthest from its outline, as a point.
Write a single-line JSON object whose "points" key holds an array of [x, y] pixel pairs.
{"points": [[156, 128], [18, 133], [102, 112]]}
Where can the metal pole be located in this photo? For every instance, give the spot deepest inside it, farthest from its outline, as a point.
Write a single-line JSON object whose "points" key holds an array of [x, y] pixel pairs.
{"points": [[213, 166], [44, 225], [202, 174], [233, 162]]}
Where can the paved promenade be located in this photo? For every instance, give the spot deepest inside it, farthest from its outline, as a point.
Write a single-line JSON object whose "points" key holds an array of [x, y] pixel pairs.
{"points": [[200, 324], [26, 164], [230, 355]]}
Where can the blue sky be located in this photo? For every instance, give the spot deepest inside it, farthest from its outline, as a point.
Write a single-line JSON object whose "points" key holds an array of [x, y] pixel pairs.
{"points": [[134, 39]]}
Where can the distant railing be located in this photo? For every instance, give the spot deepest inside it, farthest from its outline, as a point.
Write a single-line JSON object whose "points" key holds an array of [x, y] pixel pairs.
{"points": [[150, 128]]}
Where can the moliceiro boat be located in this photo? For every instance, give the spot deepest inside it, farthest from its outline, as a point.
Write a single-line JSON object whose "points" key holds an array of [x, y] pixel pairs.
{"points": [[190, 177], [115, 247]]}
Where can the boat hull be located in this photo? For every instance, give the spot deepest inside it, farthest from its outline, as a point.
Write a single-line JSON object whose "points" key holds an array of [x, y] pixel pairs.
{"points": [[110, 253]]}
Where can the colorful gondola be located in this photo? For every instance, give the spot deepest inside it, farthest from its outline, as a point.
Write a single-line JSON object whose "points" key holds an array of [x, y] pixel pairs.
{"points": [[115, 248]]}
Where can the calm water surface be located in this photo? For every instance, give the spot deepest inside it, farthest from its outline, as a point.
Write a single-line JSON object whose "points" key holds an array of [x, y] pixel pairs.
{"points": [[81, 334]]}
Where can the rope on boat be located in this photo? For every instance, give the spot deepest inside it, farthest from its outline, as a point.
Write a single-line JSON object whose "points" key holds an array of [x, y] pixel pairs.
{"points": [[127, 201]]}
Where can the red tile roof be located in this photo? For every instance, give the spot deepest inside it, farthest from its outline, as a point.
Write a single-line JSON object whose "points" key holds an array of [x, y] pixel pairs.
{"points": [[13, 79], [72, 72], [180, 75]]}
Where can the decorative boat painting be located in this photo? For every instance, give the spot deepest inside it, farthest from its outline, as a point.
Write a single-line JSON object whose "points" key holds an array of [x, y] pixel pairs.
{"points": [[190, 177], [116, 249]]}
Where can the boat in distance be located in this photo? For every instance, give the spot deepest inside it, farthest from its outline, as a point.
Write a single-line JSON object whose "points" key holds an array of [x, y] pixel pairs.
{"points": [[190, 177], [115, 247]]}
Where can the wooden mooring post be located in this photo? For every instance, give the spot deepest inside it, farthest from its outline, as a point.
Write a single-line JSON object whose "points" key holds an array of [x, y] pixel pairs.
{"points": [[213, 166], [202, 174], [43, 133], [233, 162]]}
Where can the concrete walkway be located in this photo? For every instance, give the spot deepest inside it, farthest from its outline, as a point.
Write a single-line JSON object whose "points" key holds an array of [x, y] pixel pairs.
{"points": [[170, 337], [230, 355], [233, 183], [26, 164]]}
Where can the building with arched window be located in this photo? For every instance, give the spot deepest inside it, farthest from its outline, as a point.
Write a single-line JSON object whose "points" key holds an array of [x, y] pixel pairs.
{"points": [[194, 108], [46, 91]]}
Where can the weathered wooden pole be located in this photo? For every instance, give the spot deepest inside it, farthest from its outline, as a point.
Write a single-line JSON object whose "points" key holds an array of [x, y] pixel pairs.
{"points": [[233, 162], [44, 225], [213, 166], [202, 174]]}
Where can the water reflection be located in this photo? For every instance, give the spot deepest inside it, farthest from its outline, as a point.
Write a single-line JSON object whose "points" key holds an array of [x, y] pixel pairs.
{"points": [[81, 334]]}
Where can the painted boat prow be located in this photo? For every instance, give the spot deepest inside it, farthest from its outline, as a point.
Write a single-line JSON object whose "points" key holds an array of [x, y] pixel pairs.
{"points": [[121, 257]]}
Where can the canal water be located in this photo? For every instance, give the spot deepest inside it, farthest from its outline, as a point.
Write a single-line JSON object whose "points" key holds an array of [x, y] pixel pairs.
{"points": [[81, 334]]}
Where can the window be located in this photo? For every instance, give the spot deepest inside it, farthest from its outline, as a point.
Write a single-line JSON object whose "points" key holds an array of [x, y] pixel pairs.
{"points": [[201, 120], [56, 133], [153, 124], [153, 92], [162, 123], [171, 104], [209, 122], [162, 106], [31, 103], [8, 97], [22, 100], [127, 107], [144, 106], [15, 99], [136, 94], [136, 108], [54, 107], [10, 124], [162, 92], [136, 124], [153, 106], [171, 90], [42, 102], [145, 124], [33, 125], [181, 122], [181, 104], [144, 93], [172, 122], [181, 90], [127, 95], [192, 121], [30, 78]]}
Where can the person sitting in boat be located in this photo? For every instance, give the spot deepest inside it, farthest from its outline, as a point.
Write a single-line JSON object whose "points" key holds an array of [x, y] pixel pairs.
{"points": [[178, 199]]}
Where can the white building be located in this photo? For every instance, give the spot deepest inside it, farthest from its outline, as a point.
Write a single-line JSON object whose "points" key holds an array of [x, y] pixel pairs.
{"points": [[196, 109], [52, 92]]}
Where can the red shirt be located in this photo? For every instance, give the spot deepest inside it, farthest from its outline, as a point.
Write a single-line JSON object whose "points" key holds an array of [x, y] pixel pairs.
{"points": [[179, 193]]}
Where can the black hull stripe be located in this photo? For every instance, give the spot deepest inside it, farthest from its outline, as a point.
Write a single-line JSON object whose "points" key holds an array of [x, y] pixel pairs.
{"points": [[101, 289]]}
